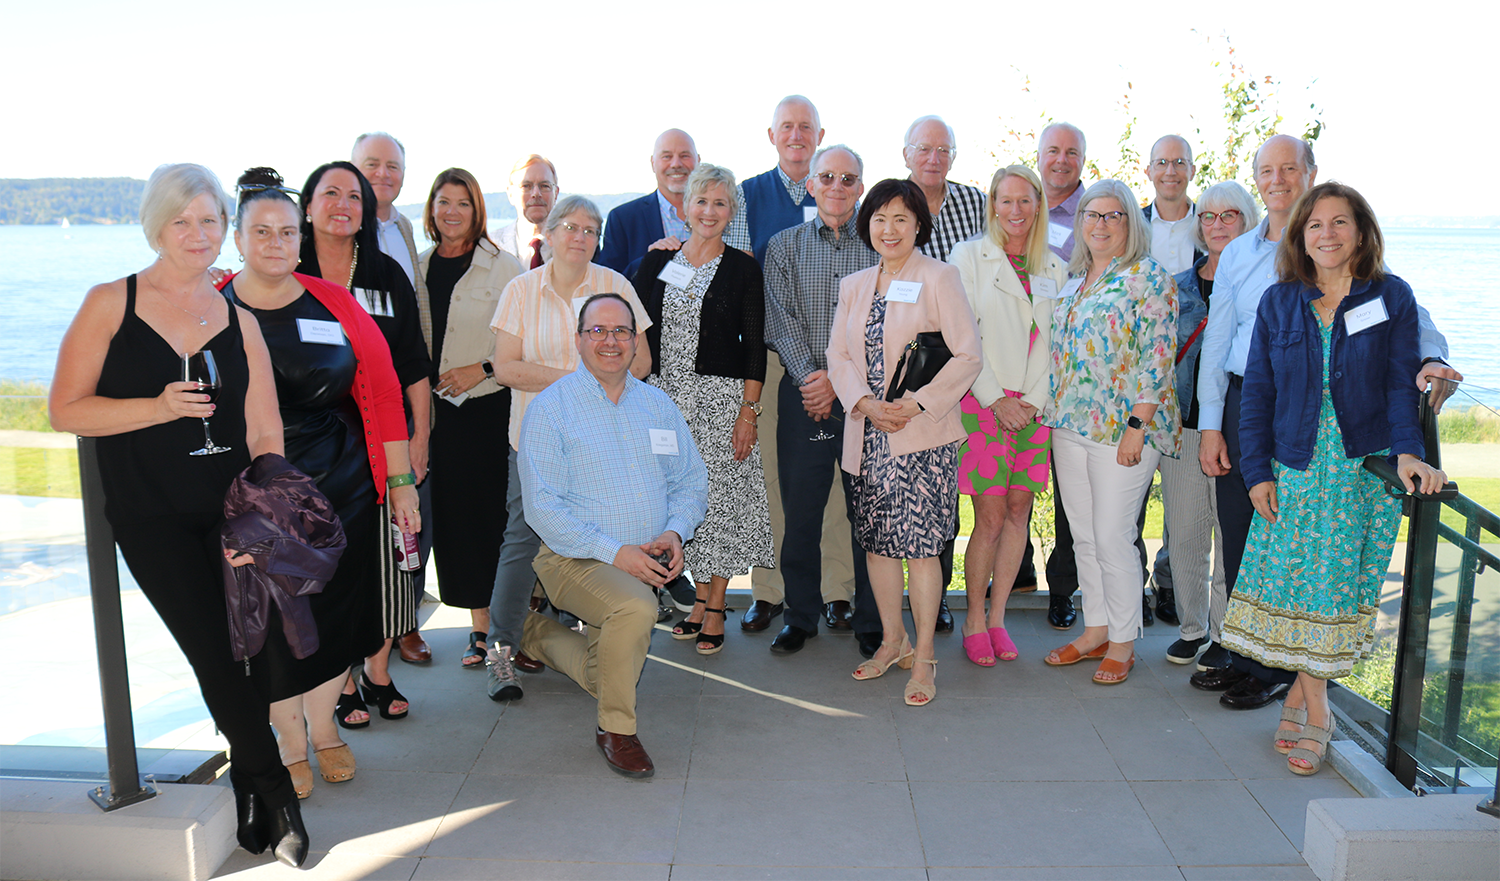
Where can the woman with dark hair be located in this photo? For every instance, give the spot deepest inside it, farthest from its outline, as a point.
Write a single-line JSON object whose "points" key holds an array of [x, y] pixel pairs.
{"points": [[1327, 383], [902, 448], [345, 428], [465, 275], [707, 307], [340, 243], [118, 378]]}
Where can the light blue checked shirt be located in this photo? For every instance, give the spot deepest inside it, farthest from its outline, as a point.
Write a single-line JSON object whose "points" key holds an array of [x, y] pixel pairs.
{"points": [[590, 480]]}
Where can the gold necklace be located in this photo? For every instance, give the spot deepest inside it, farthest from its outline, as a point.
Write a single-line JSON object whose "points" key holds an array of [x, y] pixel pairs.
{"points": [[161, 292]]}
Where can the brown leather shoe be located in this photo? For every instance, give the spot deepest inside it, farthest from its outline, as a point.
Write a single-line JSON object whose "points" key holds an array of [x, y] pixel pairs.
{"points": [[414, 649], [839, 616], [527, 664], [758, 616], [624, 753]]}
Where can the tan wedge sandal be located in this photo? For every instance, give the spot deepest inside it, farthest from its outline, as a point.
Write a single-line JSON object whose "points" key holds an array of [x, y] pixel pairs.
{"points": [[1297, 716], [1317, 735]]}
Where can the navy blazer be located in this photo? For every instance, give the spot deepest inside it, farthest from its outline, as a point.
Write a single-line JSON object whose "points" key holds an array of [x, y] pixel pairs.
{"points": [[629, 231], [1371, 378]]}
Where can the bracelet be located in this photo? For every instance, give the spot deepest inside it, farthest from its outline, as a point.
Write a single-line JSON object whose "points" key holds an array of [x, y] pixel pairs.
{"points": [[407, 479], [749, 422], [754, 406]]}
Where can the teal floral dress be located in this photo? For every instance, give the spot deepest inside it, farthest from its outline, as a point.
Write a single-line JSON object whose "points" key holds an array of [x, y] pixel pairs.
{"points": [[1310, 583]]}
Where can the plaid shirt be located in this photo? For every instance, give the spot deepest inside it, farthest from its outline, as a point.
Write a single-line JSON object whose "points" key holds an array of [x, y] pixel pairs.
{"points": [[961, 218], [804, 265]]}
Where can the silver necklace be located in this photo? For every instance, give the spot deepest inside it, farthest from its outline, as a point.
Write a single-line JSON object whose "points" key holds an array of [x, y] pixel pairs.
{"points": [[352, 264], [161, 292]]}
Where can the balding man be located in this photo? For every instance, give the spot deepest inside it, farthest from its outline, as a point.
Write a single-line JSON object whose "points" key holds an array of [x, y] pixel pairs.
{"points": [[382, 159], [1284, 170], [778, 199], [1061, 152], [631, 229], [533, 191], [1170, 215]]}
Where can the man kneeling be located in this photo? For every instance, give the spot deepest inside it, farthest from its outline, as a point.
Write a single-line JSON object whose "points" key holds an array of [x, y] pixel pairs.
{"points": [[613, 486]]}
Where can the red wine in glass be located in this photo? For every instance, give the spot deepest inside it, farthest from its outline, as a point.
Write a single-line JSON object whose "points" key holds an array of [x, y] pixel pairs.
{"points": [[200, 368]]}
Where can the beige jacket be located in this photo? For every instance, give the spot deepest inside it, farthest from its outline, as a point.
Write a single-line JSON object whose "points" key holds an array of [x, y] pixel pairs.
{"points": [[468, 338]]}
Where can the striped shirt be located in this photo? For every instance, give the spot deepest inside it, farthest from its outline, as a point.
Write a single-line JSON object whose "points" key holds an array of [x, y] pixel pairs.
{"points": [[596, 475], [961, 218], [547, 325], [804, 265]]}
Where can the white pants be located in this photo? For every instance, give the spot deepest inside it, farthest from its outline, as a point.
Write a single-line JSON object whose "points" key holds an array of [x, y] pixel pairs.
{"points": [[1192, 529], [1102, 499]]}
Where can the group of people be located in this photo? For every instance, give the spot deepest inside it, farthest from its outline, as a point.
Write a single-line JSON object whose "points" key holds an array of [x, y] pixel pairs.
{"points": [[788, 373]]}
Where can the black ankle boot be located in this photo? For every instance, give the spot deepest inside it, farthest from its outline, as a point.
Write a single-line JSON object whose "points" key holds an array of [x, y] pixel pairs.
{"points": [[288, 835], [1166, 605], [252, 818]]}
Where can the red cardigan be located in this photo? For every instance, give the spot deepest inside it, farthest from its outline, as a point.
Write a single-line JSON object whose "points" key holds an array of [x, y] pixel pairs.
{"points": [[375, 389]]}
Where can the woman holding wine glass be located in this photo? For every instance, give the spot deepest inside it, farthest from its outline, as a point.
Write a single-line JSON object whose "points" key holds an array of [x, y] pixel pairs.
{"points": [[345, 428], [120, 378]]}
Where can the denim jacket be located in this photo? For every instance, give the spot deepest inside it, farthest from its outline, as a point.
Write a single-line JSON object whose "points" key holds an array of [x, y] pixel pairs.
{"points": [[1191, 311], [1371, 376]]}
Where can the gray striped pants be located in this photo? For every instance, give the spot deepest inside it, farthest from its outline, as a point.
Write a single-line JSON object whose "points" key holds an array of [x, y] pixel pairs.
{"points": [[1192, 528]]}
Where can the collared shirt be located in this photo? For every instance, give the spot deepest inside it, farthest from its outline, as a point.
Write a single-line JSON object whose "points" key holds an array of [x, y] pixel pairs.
{"points": [[394, 244], [547, 324], [596, 475], [1172, 242], [804, 266], [961, 218], [1246, 268], [737, 235], [514, 240], [1060, 218], [797, 189]]}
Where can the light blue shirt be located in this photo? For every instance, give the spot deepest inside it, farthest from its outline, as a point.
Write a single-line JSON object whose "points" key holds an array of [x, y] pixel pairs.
{"points": [[593, 477], [671, 224], [1246, 268]]}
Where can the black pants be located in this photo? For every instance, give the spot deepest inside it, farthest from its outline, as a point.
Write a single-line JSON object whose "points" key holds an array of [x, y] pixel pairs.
{"points": [[177, 562]]}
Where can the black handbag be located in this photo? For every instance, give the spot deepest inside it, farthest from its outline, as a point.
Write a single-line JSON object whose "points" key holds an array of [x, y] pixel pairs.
{"points": [[920, 361]]}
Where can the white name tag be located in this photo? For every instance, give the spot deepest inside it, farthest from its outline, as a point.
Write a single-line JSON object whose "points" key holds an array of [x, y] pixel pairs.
{"points": [[1071, 287], [677, 274], [903, 292], [455, 400], [1057, 234], [663, 441], [1045, 288], [370, 300], [312, 330], [1368, 315], [809, 213]]}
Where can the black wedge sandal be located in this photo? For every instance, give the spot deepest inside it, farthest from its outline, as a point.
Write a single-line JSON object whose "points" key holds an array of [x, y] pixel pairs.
{"points": [[714, 641], [382, 696], [348, 705], [686, 629]]}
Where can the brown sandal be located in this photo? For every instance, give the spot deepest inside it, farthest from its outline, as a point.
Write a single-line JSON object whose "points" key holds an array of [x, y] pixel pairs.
{"points": [[336, 763], [1112, 668], [1067, 656], [302, 778]]}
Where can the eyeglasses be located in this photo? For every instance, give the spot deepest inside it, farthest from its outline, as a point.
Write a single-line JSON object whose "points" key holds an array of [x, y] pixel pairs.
{"points": [[1178, 164], [527, 186], [261, 188], [1228, 217], [828, 177], [588, 232], [943, 150], [621, 334], [1110, 218]]}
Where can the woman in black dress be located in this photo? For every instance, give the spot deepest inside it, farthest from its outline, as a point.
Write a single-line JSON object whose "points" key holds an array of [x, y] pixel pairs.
{"points": [[340, 243], [345, 428], [117, 379]]}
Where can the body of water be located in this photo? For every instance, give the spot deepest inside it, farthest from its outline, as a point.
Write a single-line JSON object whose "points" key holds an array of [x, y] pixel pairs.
{"points": [[46, 270]]}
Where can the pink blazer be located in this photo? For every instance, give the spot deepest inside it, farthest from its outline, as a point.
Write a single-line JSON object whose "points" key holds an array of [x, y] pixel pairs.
{"points": [[941, 305]]}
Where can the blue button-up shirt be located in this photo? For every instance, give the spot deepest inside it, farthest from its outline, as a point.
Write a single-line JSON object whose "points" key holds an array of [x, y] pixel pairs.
{"points": [[1246, 268], [590, 480]]}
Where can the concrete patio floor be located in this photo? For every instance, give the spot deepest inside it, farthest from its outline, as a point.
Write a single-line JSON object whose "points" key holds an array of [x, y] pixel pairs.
{"points": [[785, 767]]}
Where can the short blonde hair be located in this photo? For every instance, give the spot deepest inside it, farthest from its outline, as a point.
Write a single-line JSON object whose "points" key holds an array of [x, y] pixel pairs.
{"points": [[705, 176], [168, 192], [1035, 250], [1137, 235]]}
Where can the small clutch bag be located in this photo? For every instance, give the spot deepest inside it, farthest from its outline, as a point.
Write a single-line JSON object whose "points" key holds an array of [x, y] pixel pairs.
{"points": [[920, 361]]}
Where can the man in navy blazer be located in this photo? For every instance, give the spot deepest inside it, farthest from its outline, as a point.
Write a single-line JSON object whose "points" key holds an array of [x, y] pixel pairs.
{"points": [[631, 228]]}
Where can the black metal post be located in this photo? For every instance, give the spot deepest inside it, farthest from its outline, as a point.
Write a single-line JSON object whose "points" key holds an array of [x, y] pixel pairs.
{"points": [[125, 787]]}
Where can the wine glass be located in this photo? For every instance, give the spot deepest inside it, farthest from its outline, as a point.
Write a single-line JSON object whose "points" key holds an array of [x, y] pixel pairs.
{"points": [[200, 368]]}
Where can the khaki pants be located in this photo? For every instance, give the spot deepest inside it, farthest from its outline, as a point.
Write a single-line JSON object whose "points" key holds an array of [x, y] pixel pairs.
{"points": [[620, 612], [838, 561]]}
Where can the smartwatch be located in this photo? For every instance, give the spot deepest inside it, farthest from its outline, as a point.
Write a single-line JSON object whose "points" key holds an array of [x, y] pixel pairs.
{"points": [[1134, 422], [488, 368]]}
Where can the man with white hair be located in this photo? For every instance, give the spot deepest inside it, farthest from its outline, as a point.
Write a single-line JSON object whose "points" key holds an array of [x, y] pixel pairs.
{"points": [[533, 191]]}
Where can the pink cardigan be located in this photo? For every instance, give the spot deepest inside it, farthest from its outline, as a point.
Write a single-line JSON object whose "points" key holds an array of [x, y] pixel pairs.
{"points": [[941, 305]]}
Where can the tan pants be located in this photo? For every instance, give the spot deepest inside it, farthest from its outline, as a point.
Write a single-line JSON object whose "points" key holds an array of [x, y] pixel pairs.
{"points": [[838, 563], [620, 612]]}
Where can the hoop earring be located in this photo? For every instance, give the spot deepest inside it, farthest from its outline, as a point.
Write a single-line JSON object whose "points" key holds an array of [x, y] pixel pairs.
{"points": [[242, 258]]}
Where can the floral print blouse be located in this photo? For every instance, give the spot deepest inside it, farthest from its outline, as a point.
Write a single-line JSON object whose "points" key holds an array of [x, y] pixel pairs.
{"points": [[1114, 345]]}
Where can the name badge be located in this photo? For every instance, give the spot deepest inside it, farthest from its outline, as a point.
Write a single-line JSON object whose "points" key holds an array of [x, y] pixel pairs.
{"points": [[1368, 315], [1057, 234], [456, 400], [676, 274], [663, 441], [1045, 288], [903, 292], [370, 300], [809, 213], [1071, 287], [327, 333]]}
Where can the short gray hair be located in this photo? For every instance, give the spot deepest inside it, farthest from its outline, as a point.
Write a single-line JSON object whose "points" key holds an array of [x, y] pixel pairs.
{"points": [[1083, 143], [952, 139], [367, 135], [567, 205], [707, 175], [169, 191], [1220, 196], [1137, 237], [858, 160]]}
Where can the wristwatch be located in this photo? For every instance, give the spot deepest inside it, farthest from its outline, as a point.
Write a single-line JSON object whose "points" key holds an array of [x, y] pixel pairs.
{"points": [[1134, 422], [488, 368], [754, 406]]}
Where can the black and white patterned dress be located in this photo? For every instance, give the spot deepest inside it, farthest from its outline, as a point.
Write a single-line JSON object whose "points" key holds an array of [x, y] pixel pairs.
{"points": [[736, 531]]}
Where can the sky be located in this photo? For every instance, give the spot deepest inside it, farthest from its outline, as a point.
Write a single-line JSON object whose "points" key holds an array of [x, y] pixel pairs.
{"points": [[113, 89]]}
